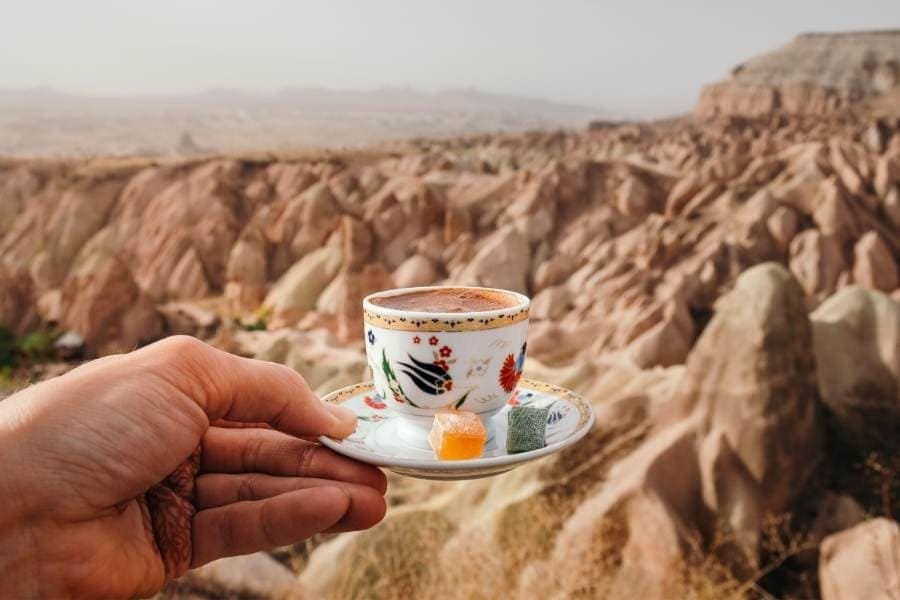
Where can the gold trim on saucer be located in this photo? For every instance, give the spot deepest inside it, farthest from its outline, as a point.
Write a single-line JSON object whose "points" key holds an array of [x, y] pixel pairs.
{"points": [[340, 395], [560, 392], [375, 438]]}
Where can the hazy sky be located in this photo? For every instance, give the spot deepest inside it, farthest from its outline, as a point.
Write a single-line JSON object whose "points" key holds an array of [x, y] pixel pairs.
{"points": [[633, 56]]}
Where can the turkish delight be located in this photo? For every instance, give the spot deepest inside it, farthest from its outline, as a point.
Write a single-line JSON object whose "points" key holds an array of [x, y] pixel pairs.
{"points": [[526, 428], [457, 435]]}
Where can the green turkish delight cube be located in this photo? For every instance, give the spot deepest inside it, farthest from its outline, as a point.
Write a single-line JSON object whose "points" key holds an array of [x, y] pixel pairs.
{"points": [[526, 428]]}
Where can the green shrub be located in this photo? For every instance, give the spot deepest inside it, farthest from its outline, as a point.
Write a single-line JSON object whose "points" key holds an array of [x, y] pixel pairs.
{"points": [[34, 347], [8, 350], [258, 322], [37, 346], [258, 325]]}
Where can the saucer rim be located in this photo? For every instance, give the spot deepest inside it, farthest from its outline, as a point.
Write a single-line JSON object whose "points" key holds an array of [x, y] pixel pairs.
{"points": [[491, 462]]}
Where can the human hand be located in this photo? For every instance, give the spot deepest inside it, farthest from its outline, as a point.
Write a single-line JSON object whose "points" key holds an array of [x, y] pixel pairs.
{"points": [[115, 478]]}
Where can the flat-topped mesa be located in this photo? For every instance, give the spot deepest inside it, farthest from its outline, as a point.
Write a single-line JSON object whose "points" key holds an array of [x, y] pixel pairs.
{"points": [[813, 74]]}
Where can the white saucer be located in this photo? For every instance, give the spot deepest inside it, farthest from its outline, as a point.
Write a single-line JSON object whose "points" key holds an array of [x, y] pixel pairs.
{"points": [[375, 440]]}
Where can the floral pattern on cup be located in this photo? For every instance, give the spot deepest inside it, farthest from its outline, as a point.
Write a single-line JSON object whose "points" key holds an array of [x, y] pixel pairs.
{"points": [[511, 371], [432, 378], [428, 361], [393, 383]]}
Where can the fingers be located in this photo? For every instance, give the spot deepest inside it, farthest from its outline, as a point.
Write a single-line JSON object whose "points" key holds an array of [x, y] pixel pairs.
{"points": [[217, 489], [246, 527], [273, 453], [367, 506], [238, 425], [238, 389]]}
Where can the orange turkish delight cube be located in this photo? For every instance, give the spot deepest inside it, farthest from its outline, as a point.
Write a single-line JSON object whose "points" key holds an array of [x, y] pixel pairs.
{"points": [[457, 435]]}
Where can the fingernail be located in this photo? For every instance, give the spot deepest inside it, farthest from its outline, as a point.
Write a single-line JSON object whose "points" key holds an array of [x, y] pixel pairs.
{"points": [[345, 417]]}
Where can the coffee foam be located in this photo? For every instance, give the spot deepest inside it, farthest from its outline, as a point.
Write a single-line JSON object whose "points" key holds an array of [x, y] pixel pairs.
{"points": [[448, 300]]}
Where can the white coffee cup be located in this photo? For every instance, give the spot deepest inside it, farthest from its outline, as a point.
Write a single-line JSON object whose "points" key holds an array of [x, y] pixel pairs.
{"points": [[425, 361]]}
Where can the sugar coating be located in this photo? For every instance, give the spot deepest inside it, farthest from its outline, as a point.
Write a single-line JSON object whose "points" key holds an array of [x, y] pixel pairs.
{"points": [[457, 435], [460, 422], [526, 428]]}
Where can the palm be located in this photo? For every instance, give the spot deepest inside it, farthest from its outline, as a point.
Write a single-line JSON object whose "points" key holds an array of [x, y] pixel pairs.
{"points": [[118, 554]]}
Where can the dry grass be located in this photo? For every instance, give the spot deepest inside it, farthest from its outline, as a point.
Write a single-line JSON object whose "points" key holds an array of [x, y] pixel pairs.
{"points": [[394, 560], [867, 469], [424, 556], [191, 587], [516, 554], [418, 556], [883, 471]]}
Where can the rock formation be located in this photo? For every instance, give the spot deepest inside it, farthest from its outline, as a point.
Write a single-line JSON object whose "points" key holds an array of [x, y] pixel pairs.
{"points": [[724, 292], [634, 231], [858, 358], [863, 562], [814, 74]]}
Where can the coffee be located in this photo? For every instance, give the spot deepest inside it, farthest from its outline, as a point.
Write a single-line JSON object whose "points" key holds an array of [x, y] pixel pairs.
{"points": [[448, 300]]}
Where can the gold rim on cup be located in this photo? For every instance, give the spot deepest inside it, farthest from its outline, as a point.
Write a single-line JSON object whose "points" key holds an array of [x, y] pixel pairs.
{"points": [[406, 320]]}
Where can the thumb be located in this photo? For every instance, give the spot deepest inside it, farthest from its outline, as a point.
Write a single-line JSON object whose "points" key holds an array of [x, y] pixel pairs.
{"points": [[245, 390]]}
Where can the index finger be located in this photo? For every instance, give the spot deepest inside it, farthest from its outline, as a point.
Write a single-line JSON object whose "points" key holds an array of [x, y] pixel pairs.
{"points": [[246, 390]]}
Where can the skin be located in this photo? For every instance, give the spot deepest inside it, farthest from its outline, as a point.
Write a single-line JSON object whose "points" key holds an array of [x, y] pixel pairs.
{"points": [[122, 474]]}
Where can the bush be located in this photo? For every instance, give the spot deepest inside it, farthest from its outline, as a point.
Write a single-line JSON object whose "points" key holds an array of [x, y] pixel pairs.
{"points": [[37, 346], [34, 347], [8, 349], [258, 322]]}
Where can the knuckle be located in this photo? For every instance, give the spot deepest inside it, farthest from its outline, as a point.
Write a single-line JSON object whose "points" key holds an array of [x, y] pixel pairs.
{"points": [[278, 418], [267, 524], [191, 366], [284, 370], [226, 530], [307, 460], [290, 374], [251, 455], [183, 345], [247, 489]]}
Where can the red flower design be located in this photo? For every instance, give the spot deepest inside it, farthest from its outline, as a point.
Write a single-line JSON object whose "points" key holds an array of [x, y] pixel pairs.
{"points": [[514, 399], [416, 340], [375, 403], [446, 351], [433, 340], [509, 375], [448, 385], [442, 364]]}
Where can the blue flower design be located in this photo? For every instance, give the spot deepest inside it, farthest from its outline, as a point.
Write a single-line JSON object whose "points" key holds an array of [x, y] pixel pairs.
{"points": [[430, 378], [371, 337]]}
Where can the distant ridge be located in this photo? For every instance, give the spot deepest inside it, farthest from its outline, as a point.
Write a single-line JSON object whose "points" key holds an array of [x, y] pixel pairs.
{"points": [[815, 73], [389, 98], [41, 120], [887, 32]]}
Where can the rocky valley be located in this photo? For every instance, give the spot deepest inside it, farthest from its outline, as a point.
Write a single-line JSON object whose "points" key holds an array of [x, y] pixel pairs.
{"points": [[723, 288]]}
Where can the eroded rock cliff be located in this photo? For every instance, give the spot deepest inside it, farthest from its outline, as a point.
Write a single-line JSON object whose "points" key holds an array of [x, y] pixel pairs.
{"points": [[814, 74]]}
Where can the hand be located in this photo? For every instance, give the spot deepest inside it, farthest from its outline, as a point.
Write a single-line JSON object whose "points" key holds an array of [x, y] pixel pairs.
{"points": [[114, 480]]}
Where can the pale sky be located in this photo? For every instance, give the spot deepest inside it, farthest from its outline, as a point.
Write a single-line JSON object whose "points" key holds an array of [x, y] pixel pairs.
{"points": [[636, 57]]}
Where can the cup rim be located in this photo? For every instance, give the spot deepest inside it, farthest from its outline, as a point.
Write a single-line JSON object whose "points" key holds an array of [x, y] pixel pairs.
{"points": [[523, 303]]}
